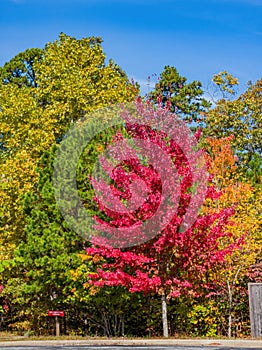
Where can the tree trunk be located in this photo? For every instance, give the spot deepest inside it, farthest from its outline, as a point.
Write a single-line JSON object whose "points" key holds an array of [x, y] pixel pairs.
{"points": [[230, 298], [164, 316], [229, 324], [122, 322]]}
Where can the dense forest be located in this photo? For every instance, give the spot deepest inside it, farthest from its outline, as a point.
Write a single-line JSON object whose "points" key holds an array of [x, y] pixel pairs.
{"points": [[186, 277]]}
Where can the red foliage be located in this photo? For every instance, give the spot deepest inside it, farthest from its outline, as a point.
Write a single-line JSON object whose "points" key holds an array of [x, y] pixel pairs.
{"points": [[174, 259], [255, 273]]}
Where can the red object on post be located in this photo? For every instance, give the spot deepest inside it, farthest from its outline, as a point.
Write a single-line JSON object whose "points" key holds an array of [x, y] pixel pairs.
{"points": [[56, 313]]}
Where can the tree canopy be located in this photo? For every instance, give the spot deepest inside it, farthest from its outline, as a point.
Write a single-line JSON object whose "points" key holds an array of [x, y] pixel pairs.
{"points": [[186, 99], [194, 272]]}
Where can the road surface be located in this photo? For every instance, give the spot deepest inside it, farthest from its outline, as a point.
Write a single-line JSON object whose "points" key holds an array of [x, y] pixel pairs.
{"points": [[132, 344], [113, 347]]}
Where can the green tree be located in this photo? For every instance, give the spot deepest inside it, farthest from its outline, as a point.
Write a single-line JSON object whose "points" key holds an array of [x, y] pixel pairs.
{"points": [[39, 275], [20, 69], [186, 99], [41, 272]]}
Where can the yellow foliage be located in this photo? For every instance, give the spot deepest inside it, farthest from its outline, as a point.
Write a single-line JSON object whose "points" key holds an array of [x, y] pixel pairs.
{"points": [[72, 79], [247, 203]]}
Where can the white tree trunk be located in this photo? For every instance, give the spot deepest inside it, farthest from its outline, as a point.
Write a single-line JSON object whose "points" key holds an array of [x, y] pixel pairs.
{"points": [[164, 316], [229, 324], [230, 299]]}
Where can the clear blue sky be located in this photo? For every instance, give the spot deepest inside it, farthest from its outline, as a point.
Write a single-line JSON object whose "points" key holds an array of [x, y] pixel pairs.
{"points": [[199, 37]]}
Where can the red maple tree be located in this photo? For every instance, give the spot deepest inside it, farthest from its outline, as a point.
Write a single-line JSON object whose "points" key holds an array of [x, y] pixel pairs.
{"points": [[176, 257]]}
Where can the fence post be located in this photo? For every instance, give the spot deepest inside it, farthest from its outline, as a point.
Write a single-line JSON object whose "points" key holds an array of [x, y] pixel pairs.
{"points": [[255, 308]]}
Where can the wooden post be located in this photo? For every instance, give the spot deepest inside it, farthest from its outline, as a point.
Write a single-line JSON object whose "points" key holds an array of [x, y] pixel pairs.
{"points": [[57, 326], [56, 314], [255, 308]]}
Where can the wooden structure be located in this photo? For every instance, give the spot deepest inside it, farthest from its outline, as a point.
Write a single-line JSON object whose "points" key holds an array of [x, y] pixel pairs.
{"points": [[255, 308], [56, 314]]}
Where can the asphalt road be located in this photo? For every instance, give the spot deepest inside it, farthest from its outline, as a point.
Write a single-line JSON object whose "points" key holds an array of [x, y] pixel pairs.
{"points": [[121, 348], [132, 344], [113, 347]]}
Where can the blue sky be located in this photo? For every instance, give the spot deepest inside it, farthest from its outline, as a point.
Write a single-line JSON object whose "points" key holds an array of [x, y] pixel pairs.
{"points": [[199, 37]]}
